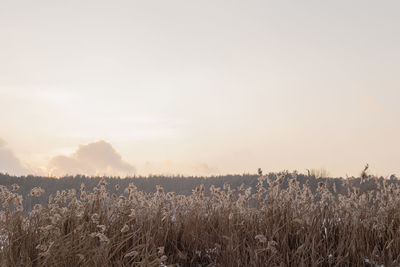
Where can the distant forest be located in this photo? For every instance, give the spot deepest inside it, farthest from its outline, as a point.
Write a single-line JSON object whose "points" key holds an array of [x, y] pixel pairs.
{"points": [[178, 184]]}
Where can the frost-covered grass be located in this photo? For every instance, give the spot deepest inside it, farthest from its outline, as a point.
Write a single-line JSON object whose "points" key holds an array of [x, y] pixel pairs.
{"points": [[228, 227]]}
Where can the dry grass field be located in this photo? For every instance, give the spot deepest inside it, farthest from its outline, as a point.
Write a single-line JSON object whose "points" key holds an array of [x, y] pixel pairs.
{"points": [[228, 227]]}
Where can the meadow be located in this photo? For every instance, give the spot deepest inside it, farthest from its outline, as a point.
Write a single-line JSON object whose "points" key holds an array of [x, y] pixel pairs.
{"points": [[279, 221]]}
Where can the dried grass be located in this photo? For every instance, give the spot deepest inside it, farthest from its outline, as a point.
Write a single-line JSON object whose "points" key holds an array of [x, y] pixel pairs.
{"points": [[228, 227]]}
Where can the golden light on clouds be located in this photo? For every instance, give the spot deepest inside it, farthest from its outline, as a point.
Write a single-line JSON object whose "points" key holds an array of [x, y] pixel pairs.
{"points": [[98, 158]]}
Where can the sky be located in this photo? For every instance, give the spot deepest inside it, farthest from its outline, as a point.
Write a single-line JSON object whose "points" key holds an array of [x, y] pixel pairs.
{"points": [[199, 87]]}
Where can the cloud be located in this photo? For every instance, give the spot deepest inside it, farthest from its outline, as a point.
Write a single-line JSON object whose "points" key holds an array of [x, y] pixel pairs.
{"points": [[98, 158], [169, 167], [9, 163]]}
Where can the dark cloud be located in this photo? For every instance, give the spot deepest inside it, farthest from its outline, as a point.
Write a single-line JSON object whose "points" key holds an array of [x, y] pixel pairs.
{"points": [[98, 158], [9, 163]]}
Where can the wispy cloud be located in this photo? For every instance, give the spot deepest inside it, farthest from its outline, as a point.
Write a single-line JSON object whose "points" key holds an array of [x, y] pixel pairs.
{"points": [[98, 158]]}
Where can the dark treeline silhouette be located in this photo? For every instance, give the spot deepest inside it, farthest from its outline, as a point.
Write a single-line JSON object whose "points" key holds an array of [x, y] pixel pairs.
{"points": [[179, 184]]}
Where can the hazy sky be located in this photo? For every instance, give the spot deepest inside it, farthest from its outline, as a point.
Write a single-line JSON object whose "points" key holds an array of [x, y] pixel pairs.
{"points": [[200, 87]]}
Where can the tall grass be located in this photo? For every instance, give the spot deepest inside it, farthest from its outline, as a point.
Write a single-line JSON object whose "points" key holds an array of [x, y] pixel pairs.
{"points": [[228, 227]]}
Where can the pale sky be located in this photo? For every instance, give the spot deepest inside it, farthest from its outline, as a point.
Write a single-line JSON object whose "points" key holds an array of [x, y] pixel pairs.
{"points": [[200, 87]]}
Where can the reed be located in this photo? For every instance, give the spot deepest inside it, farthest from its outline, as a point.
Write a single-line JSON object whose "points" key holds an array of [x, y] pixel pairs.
{"points": [[227, 227]]}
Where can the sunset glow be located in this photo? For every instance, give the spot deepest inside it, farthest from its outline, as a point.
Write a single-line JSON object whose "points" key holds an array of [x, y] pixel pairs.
{"points": [[199, 88]]}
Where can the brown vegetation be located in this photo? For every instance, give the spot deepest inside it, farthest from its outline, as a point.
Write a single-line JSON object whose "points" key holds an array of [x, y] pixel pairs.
{"points": [[294, 226]]}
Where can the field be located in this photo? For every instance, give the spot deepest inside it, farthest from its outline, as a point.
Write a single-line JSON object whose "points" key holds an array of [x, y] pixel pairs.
{"points": [[278, 222]]}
